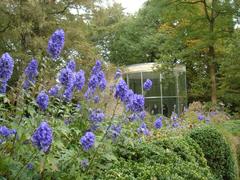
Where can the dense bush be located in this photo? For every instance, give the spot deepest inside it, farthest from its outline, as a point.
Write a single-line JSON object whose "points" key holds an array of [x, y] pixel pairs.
{"points": [[216, 151], [172, 158]]}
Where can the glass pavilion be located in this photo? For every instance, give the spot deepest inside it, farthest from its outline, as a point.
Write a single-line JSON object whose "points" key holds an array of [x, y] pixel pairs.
{"points": [[169, 91]]}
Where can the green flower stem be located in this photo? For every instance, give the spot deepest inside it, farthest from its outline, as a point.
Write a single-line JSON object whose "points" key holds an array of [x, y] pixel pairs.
{"points": [[104, 136], [33, 156]]}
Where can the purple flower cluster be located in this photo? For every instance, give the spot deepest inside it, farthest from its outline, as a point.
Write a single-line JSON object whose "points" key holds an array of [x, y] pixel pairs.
{"points": [[147, 85], [174, 118], [84, 163], [158, 123], [143, 129], [96, 99], [133, 102], [71, 79], [97, 79], [118, 74], [71, 65], [87, 141], [137, 103], [54, 90], [5, 132], [6, 70], [96, 116], [42, 100], [137, 116], [66, 77], [79, 79], [116, 130], [56, 43], [42, 137], [31, 73], [201, 117], [121, 90], [3, 87]]}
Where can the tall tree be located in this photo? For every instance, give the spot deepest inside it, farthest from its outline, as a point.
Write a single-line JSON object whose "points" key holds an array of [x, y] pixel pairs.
{"points": [[26, 25], [180, 31]]}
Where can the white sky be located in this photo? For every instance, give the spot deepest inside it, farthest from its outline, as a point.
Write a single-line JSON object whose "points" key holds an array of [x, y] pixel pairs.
{"points": [[130, 6]]}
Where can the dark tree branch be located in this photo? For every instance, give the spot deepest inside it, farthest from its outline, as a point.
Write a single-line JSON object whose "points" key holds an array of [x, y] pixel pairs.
{"points": [[206, 11], [63, 10]]}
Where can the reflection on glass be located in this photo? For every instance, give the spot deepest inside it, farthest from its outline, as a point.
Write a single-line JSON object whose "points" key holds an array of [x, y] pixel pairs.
{"points": [[169, 85], [135, 82], [153, 106]]}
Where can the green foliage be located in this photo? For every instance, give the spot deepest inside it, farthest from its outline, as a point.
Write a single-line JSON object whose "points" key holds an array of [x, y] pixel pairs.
{"points": [[25, 26], [217, 152], [172, 158]]}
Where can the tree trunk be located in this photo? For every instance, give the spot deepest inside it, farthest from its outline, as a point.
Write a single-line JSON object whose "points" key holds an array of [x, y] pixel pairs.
{"points": [[212, 73]]}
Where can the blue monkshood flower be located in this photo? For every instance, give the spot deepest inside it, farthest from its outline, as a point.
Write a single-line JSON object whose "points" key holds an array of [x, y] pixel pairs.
{"points": [[89, 93], [147, 85], [66, 77], [6, 67], [103, 84], [79, 79], [68, 94], [121, 90], [67, 121], [142, 115], [118, 74], [97, 67], [54, 90], [175, 124], [158, 123], [116, 130], [84, 163], [133, 117], [96, 99], [137, 103], [42, 137], [31, 73], [78, 106], [201, 117], [93, 82], [3, 87], [5, 132], [87, 141], [29, 166], [174, 116], [100, 76], [128, 98], [143, 129], [71, 65], [42, 100], [96, 116], [56, 43]]}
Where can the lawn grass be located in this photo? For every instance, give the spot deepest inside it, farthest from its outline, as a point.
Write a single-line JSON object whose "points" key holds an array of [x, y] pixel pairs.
{"points": [[231, 130], [232, 126]]}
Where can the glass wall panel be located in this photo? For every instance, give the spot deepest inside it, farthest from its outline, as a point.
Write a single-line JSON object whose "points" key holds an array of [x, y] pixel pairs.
{"points": [[182, 84], [153, 105], [182, 103], [155, 77], [169, 84], [135, 82], [169, 105]]}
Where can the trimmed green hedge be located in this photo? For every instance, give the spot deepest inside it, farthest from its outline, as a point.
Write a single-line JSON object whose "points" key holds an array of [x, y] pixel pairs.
{"points": [[217, 152], [176, 158]]}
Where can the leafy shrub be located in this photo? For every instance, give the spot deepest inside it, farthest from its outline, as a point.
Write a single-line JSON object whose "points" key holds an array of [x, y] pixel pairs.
{"points": [[172, 158], [216, 151]]}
